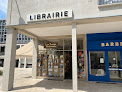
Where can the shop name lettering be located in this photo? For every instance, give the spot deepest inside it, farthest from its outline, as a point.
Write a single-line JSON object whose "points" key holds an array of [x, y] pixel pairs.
{"points": [[50, 45], [49, 16], [111, 44]]}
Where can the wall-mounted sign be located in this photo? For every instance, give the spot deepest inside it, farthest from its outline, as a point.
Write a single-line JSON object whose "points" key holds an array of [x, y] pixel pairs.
{"points": [[111, 44], [50, 45], [104, 45], [63, 14]]}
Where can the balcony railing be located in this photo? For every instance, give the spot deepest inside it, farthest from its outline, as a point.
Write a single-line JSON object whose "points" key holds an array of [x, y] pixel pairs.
{"points": [[102, 2]]}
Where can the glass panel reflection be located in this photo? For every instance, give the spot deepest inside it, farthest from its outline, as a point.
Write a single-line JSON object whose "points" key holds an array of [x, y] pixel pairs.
{"points": [[97, 63], [115, 72]]}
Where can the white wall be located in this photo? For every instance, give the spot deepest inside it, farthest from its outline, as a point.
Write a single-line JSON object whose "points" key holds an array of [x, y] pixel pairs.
{"points": [[81, 9]]}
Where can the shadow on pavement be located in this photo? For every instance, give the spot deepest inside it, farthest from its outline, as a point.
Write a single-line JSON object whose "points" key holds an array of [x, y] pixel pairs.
{"points": [[84, 86]]}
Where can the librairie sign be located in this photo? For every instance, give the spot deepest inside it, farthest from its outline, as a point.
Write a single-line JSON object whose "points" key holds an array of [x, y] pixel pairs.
{"points": [[55, 15]]}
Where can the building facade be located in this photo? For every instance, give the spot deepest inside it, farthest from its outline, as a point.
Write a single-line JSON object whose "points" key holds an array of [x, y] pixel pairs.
{"points": [[73, 39], [21, 41], [104, 57]]}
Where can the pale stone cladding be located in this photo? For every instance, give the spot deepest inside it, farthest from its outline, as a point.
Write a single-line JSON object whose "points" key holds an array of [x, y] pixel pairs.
{"points": [[82, 9]]}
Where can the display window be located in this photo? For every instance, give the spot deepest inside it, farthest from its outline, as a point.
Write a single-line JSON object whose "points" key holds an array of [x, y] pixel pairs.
{"points": [[55, 59], [81, 70], [97, 63], [50, 64]]}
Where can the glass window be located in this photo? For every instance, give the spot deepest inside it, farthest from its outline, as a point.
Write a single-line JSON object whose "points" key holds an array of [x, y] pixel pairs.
{"points": [[114, 59], [68, 44], [18, 46], [97, 63], [19, 35], [2, 33], [3, 27], [79, 44], [59, 44], [23, 36], [4, 22], [4, 36], [19, 38], [49, 56], [81, 71], [50, 63], [4, 39], [0, 22], [1, 39]]}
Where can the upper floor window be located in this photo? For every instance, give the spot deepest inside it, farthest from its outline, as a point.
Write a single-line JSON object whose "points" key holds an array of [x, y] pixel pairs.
{"points": [[102, 2]]}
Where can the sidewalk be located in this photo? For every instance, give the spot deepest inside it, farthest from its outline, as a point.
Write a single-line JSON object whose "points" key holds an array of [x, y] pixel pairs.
{"points": [[24, 83]]}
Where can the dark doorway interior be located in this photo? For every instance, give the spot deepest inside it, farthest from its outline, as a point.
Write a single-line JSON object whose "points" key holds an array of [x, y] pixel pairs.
{"points": [[68, 65]]}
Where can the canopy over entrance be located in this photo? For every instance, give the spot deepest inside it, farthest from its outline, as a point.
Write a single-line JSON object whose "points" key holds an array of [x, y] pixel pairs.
{"points": [[63, 28]]}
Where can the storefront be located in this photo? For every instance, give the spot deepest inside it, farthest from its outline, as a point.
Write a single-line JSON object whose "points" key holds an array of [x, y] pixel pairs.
{"points": [[55, 58], [105, 57], [60, 46]]}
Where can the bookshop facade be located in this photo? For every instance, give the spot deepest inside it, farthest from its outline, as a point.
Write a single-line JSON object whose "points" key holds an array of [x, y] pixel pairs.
{"points": [[60, 39], [55, 58]]}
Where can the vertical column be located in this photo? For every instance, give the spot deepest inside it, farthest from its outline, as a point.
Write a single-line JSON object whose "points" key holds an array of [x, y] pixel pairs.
{"points": [[9, 62], [19, 66], [25, 62], [20, 46], [74, 58], [85, 56], [34, 59]]}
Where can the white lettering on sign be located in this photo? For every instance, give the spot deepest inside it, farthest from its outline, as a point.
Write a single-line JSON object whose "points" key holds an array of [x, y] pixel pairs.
{"points": [[111, 44], [49, 15]]}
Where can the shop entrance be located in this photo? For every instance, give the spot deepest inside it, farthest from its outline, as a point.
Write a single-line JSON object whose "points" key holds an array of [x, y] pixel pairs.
{"points": [[55, 58], [105, 66], [68, 64], [115, 71]]}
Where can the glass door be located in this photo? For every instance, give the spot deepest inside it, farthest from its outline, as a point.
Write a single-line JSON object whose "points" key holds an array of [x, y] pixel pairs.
{"points": [[115, 68]]}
